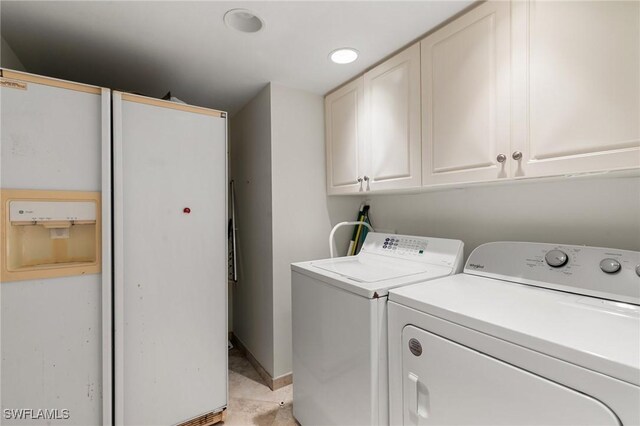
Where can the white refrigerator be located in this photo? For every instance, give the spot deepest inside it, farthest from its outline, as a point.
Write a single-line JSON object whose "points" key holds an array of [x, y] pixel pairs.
{"points": [[170, 253], [55, 318]]}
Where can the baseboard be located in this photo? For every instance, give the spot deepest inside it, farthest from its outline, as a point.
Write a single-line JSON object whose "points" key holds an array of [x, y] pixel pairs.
{"points": [[273, 383], [208, 419], [282, 381]]}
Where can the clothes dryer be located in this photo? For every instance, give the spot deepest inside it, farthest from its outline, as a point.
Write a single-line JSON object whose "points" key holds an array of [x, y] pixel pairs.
{"points": [[529, 334]]}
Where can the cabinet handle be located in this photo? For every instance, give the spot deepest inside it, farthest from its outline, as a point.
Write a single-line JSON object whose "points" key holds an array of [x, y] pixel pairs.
{"points": [[501, 158], [517, 155], [366, 178]]}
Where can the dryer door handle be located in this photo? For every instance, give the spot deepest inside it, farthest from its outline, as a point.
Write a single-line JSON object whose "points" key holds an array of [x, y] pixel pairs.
{"points": [[413, 394], [419, 404]]}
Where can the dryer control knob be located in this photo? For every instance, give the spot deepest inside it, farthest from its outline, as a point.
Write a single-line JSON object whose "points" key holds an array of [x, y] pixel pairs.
{"points": [[610, 266], [638, 270], [556, 258]]}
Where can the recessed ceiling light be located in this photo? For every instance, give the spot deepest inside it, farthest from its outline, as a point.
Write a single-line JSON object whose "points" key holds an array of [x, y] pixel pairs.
{"points": [[345, 55], [243, 20]]}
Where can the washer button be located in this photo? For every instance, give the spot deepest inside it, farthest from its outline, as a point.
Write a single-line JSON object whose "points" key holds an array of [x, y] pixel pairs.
{"points": [[610, 266], [556, 258]]}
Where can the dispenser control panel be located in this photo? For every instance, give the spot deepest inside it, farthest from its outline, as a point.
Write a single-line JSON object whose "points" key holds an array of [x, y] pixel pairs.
{"points": [[41, 211]]}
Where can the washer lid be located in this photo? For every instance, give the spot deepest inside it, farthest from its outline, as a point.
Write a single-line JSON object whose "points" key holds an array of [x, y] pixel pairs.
{"points": [[597, 334], [369, 275], [370, 269]]}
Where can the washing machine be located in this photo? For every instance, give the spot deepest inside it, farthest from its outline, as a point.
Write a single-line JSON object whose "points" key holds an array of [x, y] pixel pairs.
{"points": [[529, 334], [339, 313]]}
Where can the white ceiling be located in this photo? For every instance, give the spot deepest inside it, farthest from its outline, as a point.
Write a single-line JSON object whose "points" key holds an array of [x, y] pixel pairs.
{"points": [[184, 46]]}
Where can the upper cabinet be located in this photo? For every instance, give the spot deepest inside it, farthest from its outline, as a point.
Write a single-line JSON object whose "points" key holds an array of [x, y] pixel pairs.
{"points": [[465, 98], [576, 68], [508, 90], [344, 115], [392, 101], [373, 128]]}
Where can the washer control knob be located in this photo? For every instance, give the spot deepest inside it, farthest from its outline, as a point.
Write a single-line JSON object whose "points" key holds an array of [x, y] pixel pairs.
{"points": [[610, 266], [638, 270], [556, 258]]}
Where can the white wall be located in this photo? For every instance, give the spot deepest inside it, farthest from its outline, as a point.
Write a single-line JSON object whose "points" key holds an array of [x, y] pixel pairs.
{"points": [[277, 152], [284, 216], [591, 211], [343, 209], [8, 58], [250, 148], [301, 222]]}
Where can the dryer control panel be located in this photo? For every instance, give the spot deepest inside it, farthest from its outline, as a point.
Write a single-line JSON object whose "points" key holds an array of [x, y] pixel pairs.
{"points": [[593, 271]]}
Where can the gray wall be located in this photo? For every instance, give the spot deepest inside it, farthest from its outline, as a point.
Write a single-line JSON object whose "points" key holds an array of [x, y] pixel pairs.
{"points": [[284, 216], [301, 215], [300, 218], [8, 58], [278, 136], [250, 148], [595, 211]]}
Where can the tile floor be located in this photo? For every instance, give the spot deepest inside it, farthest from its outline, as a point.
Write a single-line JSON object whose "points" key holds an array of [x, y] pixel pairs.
{"points": [[251, 402]]}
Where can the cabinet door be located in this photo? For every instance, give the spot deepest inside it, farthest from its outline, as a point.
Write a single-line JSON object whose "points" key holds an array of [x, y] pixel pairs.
{"points": [[465, 97], [392, 96], [344, 115], [577, 90]]}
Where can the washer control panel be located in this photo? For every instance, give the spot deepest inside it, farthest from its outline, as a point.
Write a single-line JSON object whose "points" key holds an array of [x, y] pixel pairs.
{"points": [[601, 272], [435, 251], [405, 246]]}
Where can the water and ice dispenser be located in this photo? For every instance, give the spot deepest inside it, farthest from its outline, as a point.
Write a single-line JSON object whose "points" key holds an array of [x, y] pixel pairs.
{"points": [[49, 234]]}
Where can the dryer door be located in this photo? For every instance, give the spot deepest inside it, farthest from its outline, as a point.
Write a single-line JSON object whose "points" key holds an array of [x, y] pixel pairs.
{"points": [[445, 383]]}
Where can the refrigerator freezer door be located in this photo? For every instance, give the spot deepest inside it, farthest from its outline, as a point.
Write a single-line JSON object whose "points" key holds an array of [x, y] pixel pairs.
{"points": [[170, 264]]}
